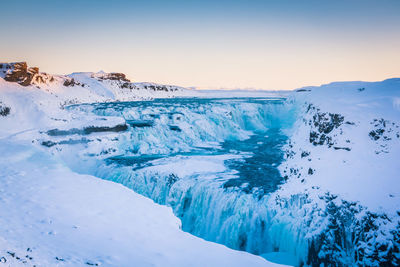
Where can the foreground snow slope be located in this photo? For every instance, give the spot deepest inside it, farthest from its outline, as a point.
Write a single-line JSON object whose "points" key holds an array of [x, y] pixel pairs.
{"points": [[52, 216]]}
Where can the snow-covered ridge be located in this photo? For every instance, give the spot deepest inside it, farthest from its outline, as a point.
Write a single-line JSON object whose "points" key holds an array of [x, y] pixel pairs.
{"points": [[88, 86]]}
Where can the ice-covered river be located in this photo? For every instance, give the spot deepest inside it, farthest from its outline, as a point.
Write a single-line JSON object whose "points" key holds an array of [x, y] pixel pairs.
{"points": [[213, 161]]}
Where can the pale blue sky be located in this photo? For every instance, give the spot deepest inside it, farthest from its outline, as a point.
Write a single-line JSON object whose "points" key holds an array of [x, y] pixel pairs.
{"points": [[210, 44]]}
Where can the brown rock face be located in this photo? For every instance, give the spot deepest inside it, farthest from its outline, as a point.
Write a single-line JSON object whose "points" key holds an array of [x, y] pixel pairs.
{"points": [[118, 76], [20, 73]]}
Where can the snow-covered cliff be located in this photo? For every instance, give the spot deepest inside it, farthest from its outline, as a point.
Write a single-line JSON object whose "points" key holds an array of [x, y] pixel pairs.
{"points": [[342, 168]]}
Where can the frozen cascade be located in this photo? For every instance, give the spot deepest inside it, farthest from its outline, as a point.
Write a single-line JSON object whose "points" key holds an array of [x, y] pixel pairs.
{"points": [[214, 161], [200, 122]]}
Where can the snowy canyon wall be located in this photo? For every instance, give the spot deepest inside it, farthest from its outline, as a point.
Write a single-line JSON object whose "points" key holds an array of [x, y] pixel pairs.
{"points": [[343, 174]]}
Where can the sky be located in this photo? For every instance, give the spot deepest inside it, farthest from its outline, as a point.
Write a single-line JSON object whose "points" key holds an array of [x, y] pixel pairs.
{"points": [[270, 44]]}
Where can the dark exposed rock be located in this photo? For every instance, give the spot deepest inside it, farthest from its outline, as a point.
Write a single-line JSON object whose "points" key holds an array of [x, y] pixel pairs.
{"points": [[320, 139], [66, 142], [376, 134], [4, 110], [69, 82], [96, 129], [91, 263], [305, 154], [57, 132], [379, 130], [157, 87], [48, 143], [175, 128], [88, 130], [343, 148], [127, 85], [324, 124], [383, 131], [114, 76]]}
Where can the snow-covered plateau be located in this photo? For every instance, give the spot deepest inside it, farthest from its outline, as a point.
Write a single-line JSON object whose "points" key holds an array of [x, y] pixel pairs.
{"points": [[97, 170]]}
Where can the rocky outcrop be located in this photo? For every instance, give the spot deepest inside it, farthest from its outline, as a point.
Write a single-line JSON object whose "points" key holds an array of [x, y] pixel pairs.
{"points": [[114, 76], [4, 110], [149, 86], [156, 87], [19, 72], [71, 82], [322, 125], [383, 133], [88, 130]]}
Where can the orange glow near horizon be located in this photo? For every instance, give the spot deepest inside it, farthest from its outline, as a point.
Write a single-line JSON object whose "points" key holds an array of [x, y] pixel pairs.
{"points": [[268, 47]]}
